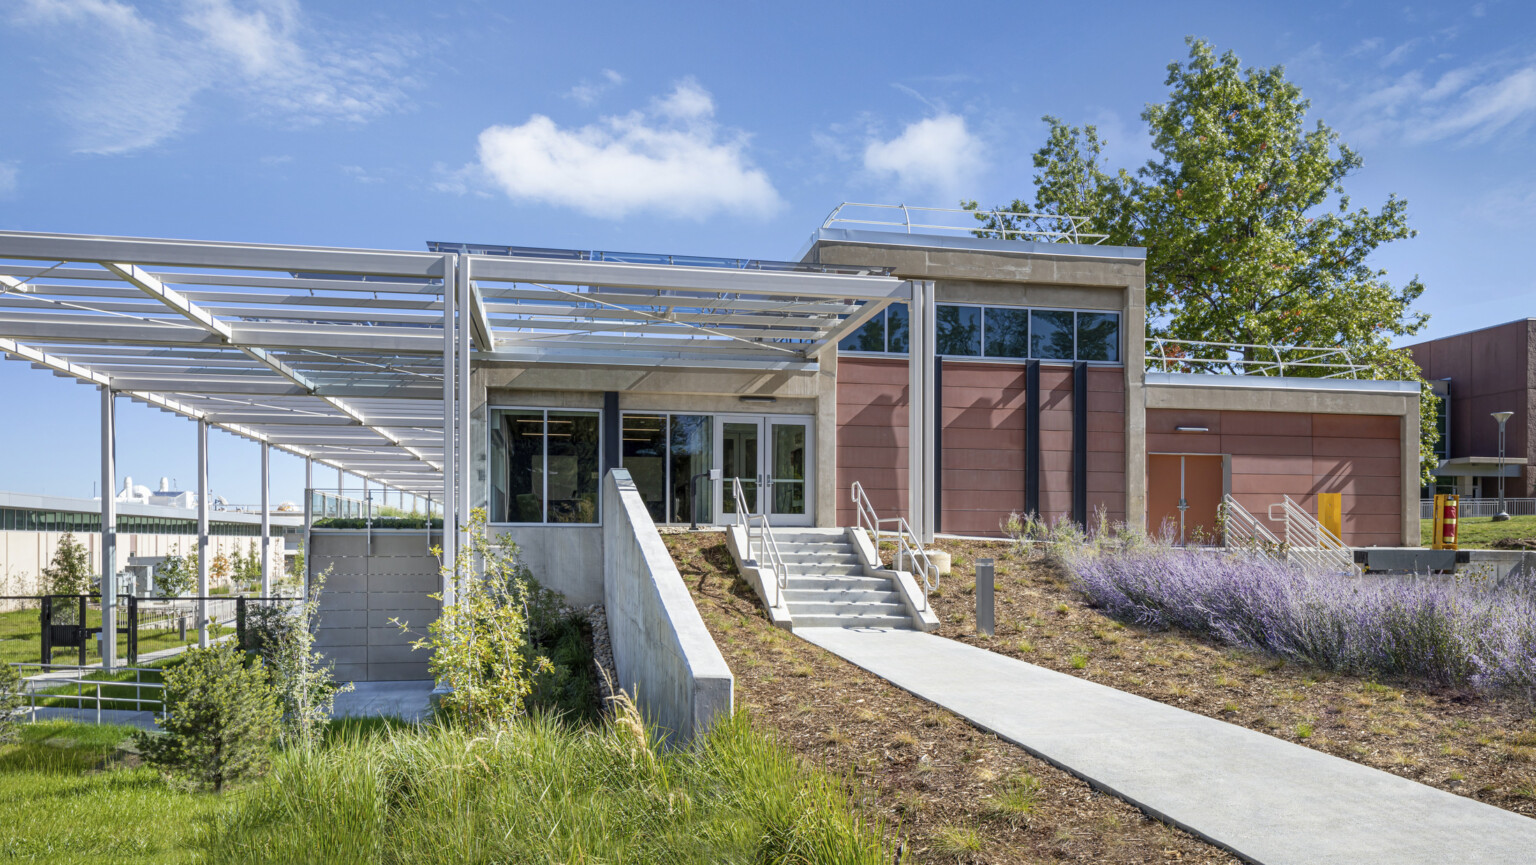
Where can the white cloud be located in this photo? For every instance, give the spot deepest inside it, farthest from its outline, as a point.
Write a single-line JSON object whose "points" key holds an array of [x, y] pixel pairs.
{"points": [[7, 179], [938, 155], [587, 92], [1464, 105], [133, 77], [671, 159]]}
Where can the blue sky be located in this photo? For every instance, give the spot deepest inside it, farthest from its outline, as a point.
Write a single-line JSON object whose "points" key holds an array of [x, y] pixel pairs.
{"points": [[701, 128]]}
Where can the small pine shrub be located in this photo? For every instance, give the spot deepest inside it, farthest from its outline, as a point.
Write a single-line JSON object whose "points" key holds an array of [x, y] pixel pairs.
{"points": [[221, 718]]}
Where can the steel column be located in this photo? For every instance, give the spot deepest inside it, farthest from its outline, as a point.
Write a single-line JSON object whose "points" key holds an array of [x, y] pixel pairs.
{"points": [[920, 406], [202, 534], [309, 521], [266, 521], [108, 530], [450, 423], [462, 380]]}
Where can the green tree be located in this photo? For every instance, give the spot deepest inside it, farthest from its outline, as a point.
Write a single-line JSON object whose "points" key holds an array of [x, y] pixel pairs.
{"points": [[1250, 236], [177, 574], [70, 572], [221, 717]]}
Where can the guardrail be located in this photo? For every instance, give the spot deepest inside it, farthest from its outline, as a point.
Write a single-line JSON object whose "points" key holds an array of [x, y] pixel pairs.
{"points": [[765, 540], [1240, 358], [908, 548], [1242, 530], [1469, 507], [1049, 227], [44, 686], [1308, 542]]}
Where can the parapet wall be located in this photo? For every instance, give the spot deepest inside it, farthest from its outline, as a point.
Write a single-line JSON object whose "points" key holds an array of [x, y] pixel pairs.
{"points": [[665, 658]]}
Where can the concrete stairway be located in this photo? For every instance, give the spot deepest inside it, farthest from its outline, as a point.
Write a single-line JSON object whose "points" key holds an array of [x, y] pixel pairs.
{"points": [[827, 586]]}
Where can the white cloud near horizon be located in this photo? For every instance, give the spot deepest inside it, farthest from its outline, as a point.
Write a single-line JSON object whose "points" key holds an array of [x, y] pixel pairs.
{"points": [[938, 154], [8, 172], [672, 158], [133, 77]]}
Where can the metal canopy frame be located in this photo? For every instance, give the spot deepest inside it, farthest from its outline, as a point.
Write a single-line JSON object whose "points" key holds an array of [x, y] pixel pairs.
{"points": [[358, 359]]}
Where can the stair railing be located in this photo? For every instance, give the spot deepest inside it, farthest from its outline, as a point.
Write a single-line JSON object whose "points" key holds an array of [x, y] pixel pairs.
{"points": [[908, 548], [1309, 542], [1242, 530], [766, 543]]}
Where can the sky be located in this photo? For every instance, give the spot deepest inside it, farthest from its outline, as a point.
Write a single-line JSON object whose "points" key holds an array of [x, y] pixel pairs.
{"points": [[727, 129]]}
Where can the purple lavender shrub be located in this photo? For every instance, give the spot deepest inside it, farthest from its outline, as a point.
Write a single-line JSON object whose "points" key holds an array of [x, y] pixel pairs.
{"points": [[1449, 631]]}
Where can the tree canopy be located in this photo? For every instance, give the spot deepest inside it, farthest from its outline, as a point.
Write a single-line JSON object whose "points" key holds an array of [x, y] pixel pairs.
{"points": [[1250, 235]]}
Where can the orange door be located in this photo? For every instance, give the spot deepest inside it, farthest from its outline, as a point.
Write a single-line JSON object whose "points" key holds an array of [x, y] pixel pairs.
{"points": [[1184, 497]]}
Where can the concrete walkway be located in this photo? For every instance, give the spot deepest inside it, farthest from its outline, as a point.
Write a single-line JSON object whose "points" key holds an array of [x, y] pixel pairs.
{"points": [[408, 701], [1267, 800]]}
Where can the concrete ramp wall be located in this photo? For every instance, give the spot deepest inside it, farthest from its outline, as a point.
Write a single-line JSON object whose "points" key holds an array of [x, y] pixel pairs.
{"points": [[664, 655], [368, 587]]}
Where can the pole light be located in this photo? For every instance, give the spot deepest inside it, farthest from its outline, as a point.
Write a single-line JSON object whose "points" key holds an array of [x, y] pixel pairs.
{"points": [[1501, 417]]}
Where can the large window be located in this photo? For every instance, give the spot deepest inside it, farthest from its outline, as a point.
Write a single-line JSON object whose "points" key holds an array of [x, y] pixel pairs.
{"points": [[545, 466], [665, 455], [1004, 332]]}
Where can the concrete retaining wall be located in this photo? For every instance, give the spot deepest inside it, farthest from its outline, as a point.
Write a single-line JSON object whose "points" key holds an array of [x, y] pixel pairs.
{"points": [[365, 589], [568, 559], [663, 654]]}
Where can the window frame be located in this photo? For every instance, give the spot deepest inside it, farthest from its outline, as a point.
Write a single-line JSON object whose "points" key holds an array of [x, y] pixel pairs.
{"points": [[1119, 315], [490, 413]]}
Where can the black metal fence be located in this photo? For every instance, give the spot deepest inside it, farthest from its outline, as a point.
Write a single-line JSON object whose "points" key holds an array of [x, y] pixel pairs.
{"points": [[67, 629]]}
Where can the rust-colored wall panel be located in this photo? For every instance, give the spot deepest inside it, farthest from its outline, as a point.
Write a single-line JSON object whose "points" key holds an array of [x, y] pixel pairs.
{"points": [[1274, 454]]}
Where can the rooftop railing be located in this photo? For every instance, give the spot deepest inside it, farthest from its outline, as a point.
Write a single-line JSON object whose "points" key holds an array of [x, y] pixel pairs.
{"points": [[1043, 227], [1236, 358]]}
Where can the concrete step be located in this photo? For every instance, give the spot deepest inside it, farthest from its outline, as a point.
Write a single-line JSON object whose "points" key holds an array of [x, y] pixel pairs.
{"points": [[836, 621], [819, 570], [838, 584], [844, 608], [860, 596], [810, 546], [805, 536], [829, 557]]}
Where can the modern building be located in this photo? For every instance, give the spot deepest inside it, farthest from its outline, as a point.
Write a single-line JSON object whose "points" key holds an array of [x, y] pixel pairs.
{"points": [[32, 525], [954, 380], [1476, 374]]}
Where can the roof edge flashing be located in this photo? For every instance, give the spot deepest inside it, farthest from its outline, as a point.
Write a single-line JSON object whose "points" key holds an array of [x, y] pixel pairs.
{"points": [[979, 244], [1275, 382]]}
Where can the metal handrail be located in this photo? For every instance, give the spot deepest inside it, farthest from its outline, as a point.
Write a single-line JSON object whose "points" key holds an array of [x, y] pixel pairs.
{"points": [[908, 547], [1309, 541], [36, 687], [768, 544], [1243, 530], [1337, 359], [1072, 225]]}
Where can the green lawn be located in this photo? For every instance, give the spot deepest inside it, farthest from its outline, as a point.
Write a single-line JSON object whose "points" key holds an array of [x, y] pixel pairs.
{"points": [[57, 807], [1481, 532], [19, 639]]}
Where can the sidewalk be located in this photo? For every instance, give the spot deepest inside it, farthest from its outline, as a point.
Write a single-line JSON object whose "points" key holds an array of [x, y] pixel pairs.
{"points": [[1269, 801]]}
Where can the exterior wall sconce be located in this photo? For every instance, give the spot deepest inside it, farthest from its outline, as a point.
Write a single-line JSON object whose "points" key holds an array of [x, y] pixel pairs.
{"points": [[1191, 429]]}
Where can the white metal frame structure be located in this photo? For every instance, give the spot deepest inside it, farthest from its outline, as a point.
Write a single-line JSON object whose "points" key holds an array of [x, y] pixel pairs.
{"points": [[360, 359]]}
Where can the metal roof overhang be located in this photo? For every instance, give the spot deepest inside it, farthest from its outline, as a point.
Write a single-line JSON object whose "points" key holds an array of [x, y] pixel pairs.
{"points": [[337, 354]]}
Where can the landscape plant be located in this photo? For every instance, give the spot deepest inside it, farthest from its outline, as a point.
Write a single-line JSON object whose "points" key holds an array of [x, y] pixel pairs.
{"points": [[480, 642], [70, 571], [282, 635], [221, 717], [1447, 631], [10, 701], [177, 574]]}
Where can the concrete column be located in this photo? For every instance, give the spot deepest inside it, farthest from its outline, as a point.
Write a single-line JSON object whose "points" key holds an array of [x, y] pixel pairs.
{"points": [[266, 520], [920, 407], [108, 529], [202, 533]]}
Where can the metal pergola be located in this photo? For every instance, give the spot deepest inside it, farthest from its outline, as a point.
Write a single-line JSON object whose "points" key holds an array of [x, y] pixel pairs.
{"points": [[360, 359]]}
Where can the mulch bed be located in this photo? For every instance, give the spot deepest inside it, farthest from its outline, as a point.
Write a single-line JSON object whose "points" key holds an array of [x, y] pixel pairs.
{"points": [[946, 791], [1474, 744]]}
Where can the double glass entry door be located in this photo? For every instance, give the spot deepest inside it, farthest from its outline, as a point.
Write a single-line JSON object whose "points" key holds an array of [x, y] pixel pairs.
{"points": [[771, 455]]}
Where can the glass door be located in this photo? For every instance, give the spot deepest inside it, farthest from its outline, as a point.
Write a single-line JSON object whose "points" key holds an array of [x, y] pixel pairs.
{"points": [[740, 456], [772, 456], [788, 445]]}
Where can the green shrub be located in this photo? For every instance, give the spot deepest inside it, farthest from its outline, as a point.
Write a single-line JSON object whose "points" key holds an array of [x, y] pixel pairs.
{"points": [[10, 701], [559, 652], [282, 635], [177, 574], [221, 717], [378, 523], [70, 571], [480, 641]]}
